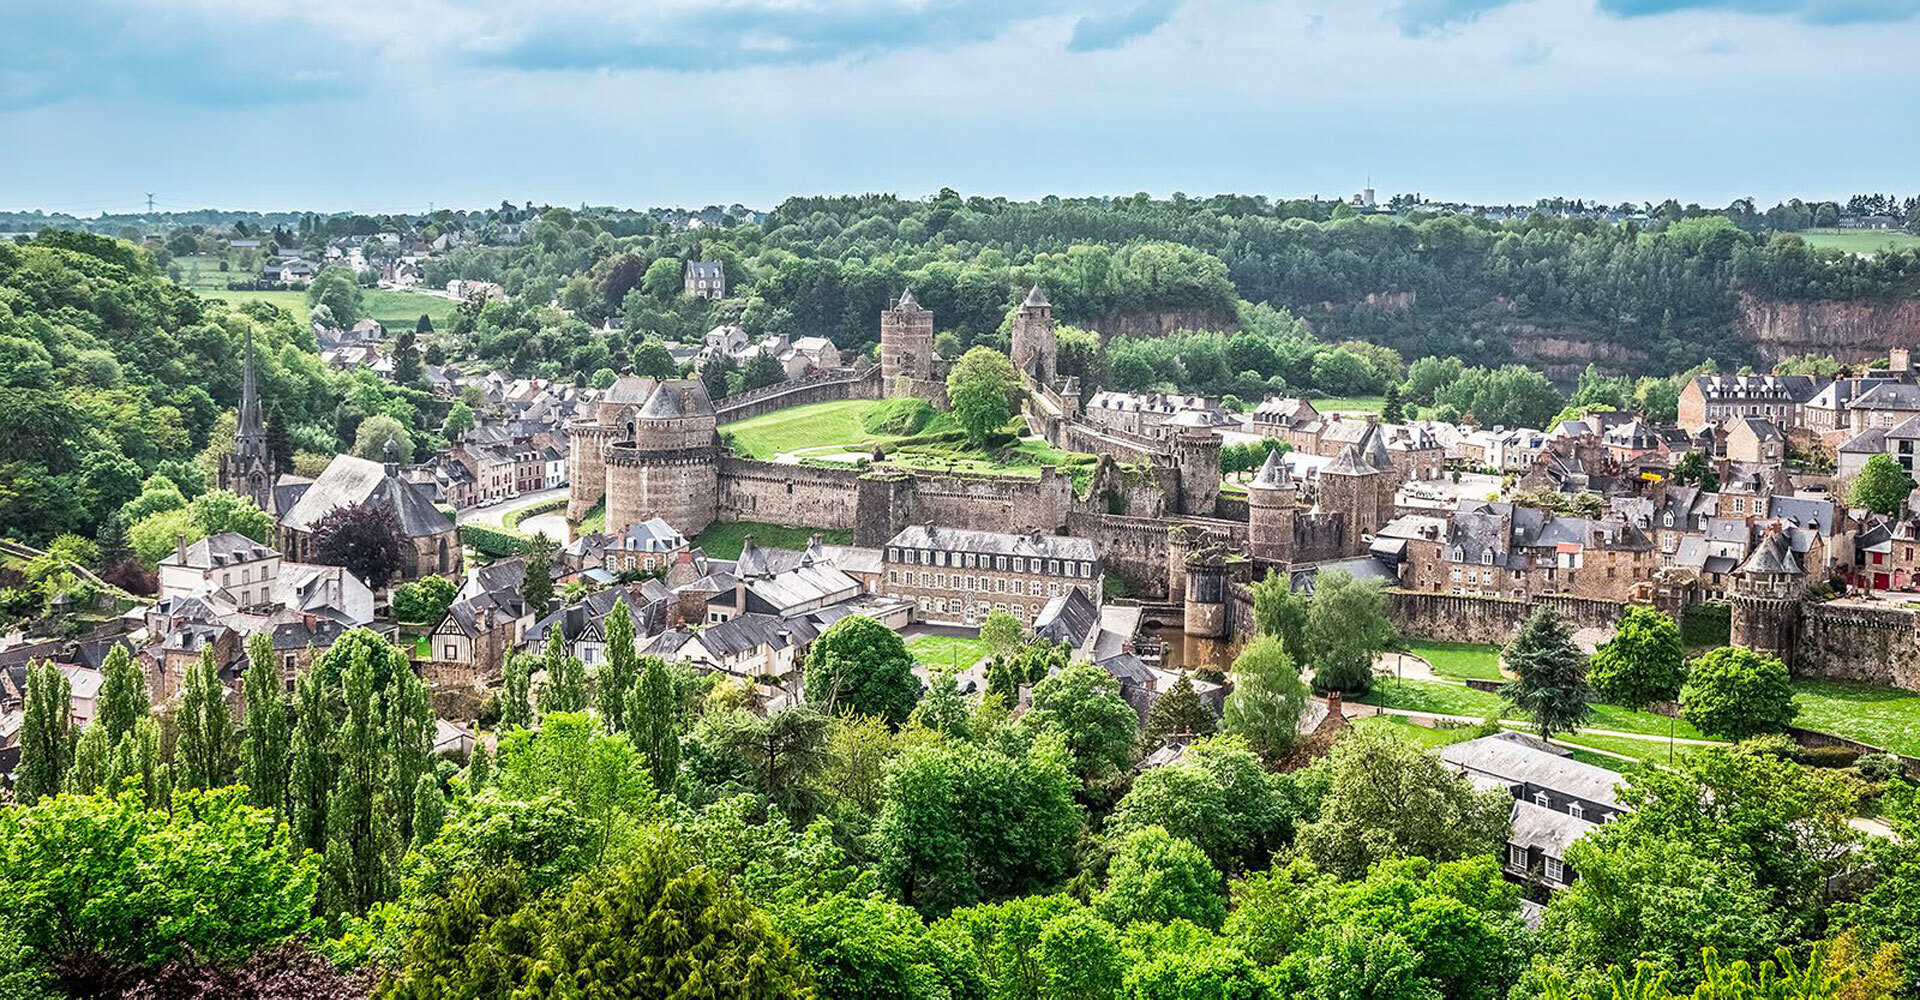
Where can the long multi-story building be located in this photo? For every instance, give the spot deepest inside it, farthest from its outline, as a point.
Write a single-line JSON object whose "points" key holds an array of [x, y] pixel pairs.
{"points": [[951, 574]]}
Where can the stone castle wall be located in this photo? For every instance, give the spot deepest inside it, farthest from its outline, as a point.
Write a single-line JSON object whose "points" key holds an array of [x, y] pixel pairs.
{"points": [[678, 487], [876, 505], [822, 387], [1466, 618], [1849, 642], [797, 495]]}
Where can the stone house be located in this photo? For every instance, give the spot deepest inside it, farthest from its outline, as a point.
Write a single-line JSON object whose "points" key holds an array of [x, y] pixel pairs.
{"points": [[1556, 800], [705, 279], [1503, 550], [1756, 440], [952, 574], [1713, 398], [229, 560]]}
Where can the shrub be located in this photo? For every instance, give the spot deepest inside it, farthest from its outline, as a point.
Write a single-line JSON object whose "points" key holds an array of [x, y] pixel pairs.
{"points": [[1834, 757], [1880, 767]]}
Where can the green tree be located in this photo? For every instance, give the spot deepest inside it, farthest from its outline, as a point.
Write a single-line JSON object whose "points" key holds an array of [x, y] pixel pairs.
{"points": [[536, 586], [779, 754], [1695, 468], [653, 723], [376, 433], [1083, 705], [1643, 663], [1281, 612], [943, 709], [715, 373], [1157, 877], [123, 696], [859, 665], [429, 810], [1267, 699], [565, 689], [204, 753], [424, 601], [1219, 796], [1179, 711], [1550, 682], [1030, 664], [613, 681], [982, 386], [407, 716], [1001, 633], [1387, 798], [652, 360], [335, 288], [1736, 693], [86, 878], [760, 371], [458, 422], [1347, 628], [92, 759], [516, 700], [311, 777], [662, 279], [363, 841], [866, 946], [1881, 486], [266, 752], [1391, 409]]}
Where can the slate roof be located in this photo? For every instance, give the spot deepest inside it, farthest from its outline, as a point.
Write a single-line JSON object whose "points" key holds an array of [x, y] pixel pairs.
{"points": [[927, 536], [1550, 830], [228, 548], [1068, 618], [1273, 474], [1871, 441], [1804, 512], [1762, 428], [1035, 297], [1514, 761], [351, 480], [1758, 388], [1888, 396], [1774, 555], [704, 269]]}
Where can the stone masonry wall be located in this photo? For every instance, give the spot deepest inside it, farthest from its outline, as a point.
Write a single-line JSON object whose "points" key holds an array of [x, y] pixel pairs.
{"points": [[824, 387], [1848, 642], [797, 495], [1463, 618]]}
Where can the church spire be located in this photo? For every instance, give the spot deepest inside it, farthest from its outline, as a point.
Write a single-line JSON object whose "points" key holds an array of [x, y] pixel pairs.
{"points": [[250, 436], [249, 469]]}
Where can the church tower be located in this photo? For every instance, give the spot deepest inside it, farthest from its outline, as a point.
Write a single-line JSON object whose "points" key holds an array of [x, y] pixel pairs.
{"points": [[1035, 353], [248, 470]]}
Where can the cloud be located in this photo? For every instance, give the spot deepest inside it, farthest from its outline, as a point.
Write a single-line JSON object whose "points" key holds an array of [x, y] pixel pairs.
{"points": [[1531, 52], [1097, 32], [1807, 11], [1419, 17]]}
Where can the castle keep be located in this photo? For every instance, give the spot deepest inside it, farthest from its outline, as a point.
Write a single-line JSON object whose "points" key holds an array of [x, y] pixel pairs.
{"points": [[649, 449]]}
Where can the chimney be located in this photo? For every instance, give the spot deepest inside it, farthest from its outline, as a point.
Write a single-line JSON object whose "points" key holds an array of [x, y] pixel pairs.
{"points": [[180, 548], [1373, 420], [1333, 703], [739, 595]]}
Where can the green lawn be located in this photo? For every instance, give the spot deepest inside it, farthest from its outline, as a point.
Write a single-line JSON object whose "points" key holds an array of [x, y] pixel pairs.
{"points": [[1652, 750], [1443, 698], [812, 426], [831, 430], [1349, 404], [947, 651], [1425, 736], [1460, 660], [595, 520], [1860, 240], [1884, 717], [723, 541]]}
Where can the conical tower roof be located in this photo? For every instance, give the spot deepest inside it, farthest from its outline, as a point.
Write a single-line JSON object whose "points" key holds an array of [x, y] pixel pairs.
{"points": [[1036, 298], [1348, 463], [1273, 474], [907, 302]]}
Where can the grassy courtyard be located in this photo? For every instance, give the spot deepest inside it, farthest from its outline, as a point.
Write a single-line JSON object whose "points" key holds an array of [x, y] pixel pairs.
{"points": [[1885, 717], [946, 652], [1459, 660], [840, 431], [723, 541], [816, 425]]}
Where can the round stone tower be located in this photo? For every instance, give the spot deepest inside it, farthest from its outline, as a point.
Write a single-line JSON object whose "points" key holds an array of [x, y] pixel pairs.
{"points": [[1035, 353], [906, 348], [663, 461], [1196, 454], [1272, 505], [1205, 613]]}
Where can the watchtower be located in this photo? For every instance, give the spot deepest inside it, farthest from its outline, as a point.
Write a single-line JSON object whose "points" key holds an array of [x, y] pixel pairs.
{"points": [[906, 348], [1035, 352]]}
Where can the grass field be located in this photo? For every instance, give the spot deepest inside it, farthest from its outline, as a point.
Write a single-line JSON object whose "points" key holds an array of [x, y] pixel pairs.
{"points": [[812, 426], [1461, 660], [1884, 717], [947, 651], [1425, 736], [1349, 404], [835, 429], [392, 308], [1860, 240], [1443, 698], [723, 541]]}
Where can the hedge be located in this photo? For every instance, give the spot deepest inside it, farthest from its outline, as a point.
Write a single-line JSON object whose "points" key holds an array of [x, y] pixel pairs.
{"points": [[492, 542]]}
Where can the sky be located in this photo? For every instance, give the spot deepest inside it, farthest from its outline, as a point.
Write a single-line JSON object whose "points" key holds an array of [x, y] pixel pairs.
{"points": [[395, 105]]}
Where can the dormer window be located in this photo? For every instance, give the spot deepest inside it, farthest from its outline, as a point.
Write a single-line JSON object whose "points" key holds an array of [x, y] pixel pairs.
{"points": [[1669, 519], [1458, 554], [1486, 558]]}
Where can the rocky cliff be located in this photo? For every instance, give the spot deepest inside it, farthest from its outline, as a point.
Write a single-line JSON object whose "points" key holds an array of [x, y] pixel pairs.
{"points": [[1851, 330], [1162, 322]]}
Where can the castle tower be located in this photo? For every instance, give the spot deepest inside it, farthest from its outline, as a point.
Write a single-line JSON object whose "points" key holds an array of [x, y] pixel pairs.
{"points": [[906, 348], [1766, 592], [1035, 352], [661, 460], [1351, 488], [1272, 501], [248, 471], [1196, 454]]}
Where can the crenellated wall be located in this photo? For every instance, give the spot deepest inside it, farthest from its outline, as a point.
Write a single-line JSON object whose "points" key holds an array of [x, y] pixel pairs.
{"points": [[798, 495], [822, 387]]}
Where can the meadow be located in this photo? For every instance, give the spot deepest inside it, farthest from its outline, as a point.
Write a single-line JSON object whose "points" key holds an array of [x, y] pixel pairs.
{"points": [[1859, 240]]}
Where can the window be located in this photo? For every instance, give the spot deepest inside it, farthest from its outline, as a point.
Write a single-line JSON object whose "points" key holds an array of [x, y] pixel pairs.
{"points": [[1574, 809], [1053, 567], [449, 652], [1516, 856], [1556, 871], [1000, 563], [1540, 799]]}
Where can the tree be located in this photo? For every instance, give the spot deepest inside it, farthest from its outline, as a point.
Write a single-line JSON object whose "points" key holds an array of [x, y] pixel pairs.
{"points": [[406, 361], [204, 753], [1736, 693], [1282, 612], [1179, 711], [536, 586], [123, 696], [335, 288], [613, 681], [267, 749], [311, 776], [1030, 664], [1695, 468], [1083, 705], [1643, 663], [1387, 798], [365, 539], [218, 511], [429, 810], [1001, 633], [381, 438], [1550, 682], [516, 699], [1347, 628], [458, 422], [424, 601], [652, 721], [714, 373], [565, 689], [407, 717], [982, 387], [761, 370], [779, 753], [866, 946], [861, 666], [1156, 877], [1881, 486], [45, 734], [652, 360], [363, 841], [1391, 410], [87, 878], [662, 279], [1267, 699], [1217, 795]]}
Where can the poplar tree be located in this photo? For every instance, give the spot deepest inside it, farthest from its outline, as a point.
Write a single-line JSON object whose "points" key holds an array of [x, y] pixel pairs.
{"points": [[566, 686], [46, 734], [516, 709], [92, 760], [357, 870], [267, 749], [429, 810], [409, 745], [480, 769], [654, 730], [137, 759], [311, 780], [123, 694], [203, 755], [613, 683]]}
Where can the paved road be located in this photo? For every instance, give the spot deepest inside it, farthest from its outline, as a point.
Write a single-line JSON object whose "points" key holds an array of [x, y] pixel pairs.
{"points": [[495, 516]]}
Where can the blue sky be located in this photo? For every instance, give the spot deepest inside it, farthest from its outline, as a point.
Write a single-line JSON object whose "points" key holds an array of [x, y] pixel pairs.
{"points": [[387, 105]]}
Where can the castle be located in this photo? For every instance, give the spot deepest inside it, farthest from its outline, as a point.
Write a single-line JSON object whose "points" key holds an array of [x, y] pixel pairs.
{"points": [[649, 449]]}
